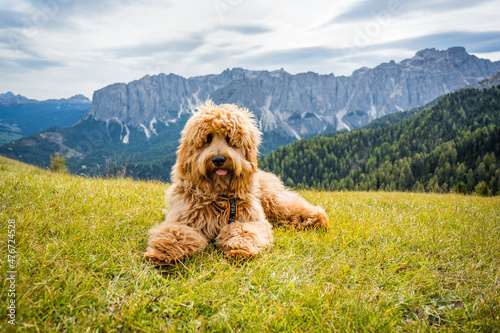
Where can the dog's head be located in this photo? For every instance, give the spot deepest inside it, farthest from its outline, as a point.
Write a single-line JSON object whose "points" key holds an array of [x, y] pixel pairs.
{"points": [[218, 150]]}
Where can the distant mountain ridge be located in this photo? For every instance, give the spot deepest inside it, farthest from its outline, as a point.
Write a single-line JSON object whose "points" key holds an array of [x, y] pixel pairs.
{"points": [[31, 116], [10, 99], [294, 106]]}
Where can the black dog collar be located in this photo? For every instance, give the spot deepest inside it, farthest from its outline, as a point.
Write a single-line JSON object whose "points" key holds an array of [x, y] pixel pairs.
{"points": [[232, 206]]}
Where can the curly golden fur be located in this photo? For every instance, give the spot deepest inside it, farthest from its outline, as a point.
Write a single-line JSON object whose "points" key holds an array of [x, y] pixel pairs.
{"points": [[217, 157]]}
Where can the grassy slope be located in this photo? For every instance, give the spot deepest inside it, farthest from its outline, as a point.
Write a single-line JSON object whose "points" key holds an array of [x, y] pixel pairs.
{"points": [[9, 133], [389, 262]]}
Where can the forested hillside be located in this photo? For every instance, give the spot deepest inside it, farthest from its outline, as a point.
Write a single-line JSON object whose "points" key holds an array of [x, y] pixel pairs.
{"points": [[454, 145]]}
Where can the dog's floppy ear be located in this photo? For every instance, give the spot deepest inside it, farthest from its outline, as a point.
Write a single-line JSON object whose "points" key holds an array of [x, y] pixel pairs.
{"points": [[251, 156], [251, 146], [182, 166]]}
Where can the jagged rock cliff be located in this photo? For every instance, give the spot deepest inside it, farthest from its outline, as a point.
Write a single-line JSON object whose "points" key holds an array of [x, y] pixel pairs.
{"points": [[295, 106]]}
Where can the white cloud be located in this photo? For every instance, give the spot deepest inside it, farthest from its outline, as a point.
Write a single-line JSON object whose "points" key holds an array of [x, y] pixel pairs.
{"points": [[66, 46]]}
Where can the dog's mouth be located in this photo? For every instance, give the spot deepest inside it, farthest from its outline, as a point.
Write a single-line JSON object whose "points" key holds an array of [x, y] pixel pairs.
{"points": [[221, 172]]}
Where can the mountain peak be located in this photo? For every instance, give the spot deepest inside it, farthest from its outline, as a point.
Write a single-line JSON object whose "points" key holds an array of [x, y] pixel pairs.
{"points": [[79, 98], [456, 50], [8, 94], [360, 71], [427, 52], [10, 99]]}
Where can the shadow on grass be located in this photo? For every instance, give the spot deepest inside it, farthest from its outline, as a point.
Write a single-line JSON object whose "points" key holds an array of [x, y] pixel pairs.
{"points": [[202, 262]]}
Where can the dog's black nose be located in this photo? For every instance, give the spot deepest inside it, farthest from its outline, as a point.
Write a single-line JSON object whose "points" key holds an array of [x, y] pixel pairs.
{"points": [[218, 160]]}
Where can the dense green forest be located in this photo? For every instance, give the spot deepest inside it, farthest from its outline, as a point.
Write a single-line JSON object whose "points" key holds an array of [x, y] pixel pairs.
{"points": [[452, 146]]}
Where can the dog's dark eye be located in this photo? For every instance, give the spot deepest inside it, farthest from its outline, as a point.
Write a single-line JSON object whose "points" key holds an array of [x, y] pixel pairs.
{"points": [[227, 138], [209, 138]]}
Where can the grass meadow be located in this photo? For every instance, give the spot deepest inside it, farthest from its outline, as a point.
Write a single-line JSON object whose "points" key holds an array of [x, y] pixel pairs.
{"points": [[390, 262]]}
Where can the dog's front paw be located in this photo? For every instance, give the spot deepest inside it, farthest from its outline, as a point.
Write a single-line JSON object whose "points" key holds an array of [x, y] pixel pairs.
{"points": [[158, 257], [174, 243], [317, 220], [245, 240], [241, 246], [239, 254]]}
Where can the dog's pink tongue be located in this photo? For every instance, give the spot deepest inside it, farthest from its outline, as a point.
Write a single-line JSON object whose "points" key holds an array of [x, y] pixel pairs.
{"points": [[221, 172]]}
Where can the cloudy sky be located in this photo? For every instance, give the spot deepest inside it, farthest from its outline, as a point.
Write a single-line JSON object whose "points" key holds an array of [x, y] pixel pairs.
{"points": [[59, 48]]}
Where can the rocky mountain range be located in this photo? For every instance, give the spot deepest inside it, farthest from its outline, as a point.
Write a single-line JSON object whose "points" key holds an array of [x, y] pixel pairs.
{"points": [[294, 106], [137, 125]]}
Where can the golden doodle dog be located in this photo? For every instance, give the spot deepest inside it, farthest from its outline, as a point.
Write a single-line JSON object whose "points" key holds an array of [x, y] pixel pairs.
{"points": [[218, 193]]}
